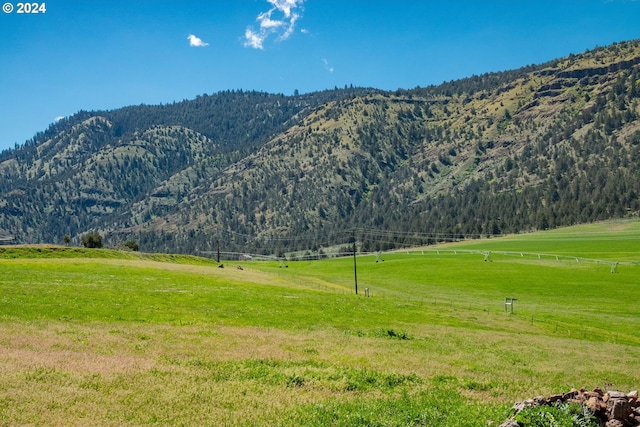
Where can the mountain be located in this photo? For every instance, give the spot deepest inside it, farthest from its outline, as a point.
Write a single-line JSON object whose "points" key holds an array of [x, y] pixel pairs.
{"points": [[533, 148]]}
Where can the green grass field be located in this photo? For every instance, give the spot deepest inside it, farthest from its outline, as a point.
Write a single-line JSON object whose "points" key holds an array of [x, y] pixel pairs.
{"points": [[115, 338]]}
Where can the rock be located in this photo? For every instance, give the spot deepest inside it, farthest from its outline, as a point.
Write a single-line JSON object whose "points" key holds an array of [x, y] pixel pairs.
{"points": [[596, 405], [613, 407], [618, 409], [554, 398], [521, 406], [616, 395], [540, 400]]}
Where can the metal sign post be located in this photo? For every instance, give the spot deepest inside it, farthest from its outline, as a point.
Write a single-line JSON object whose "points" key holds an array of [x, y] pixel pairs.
{"points": [[508, 304]]}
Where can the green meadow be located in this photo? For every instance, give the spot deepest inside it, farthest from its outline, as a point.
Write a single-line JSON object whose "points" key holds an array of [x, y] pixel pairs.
{"points": [[103, 337]]}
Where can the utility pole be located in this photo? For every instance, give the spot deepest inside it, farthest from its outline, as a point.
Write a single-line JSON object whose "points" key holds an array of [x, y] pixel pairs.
{"points": [[355, 266], [218, 254]]}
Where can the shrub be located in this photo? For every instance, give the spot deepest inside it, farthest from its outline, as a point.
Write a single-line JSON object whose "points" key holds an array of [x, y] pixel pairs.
{"points": [[92, 240], [562, 415], [130, 245]]}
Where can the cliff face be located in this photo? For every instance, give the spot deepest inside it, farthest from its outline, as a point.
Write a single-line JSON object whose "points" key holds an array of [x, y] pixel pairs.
{"points": [[598, 71]]}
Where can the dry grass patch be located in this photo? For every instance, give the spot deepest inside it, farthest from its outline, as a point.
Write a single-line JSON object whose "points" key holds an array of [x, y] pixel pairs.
{"points": [[58, 373]]}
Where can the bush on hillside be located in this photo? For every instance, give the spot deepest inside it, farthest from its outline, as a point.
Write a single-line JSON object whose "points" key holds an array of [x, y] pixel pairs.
{"points": [[92, 240]]}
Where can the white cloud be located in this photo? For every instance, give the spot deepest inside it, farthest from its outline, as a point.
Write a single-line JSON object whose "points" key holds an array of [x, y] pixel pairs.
{"points": [[290, 28], [267, 23], [327, 67], [253, 39], [196, 41], [285, 6], [279, 21], [57, 119]]}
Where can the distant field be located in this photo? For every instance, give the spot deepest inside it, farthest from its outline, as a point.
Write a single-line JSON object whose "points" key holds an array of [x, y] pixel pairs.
{"points": [[611, 240], [115, 338]]}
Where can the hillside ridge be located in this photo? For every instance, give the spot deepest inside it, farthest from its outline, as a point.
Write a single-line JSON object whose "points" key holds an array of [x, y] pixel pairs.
{"points": [[534, 148]]}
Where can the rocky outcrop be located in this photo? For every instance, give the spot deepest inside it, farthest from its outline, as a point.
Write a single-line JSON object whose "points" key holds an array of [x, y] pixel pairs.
{"points": [[612, 409], [596, 71]]}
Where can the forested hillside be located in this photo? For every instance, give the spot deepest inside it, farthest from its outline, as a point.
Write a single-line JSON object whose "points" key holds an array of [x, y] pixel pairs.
{"points": [[538, 147]]}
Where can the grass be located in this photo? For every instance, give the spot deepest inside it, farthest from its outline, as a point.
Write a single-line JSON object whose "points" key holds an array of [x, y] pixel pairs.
{"points": [[611, 240], [55, 251], [112, 338]]}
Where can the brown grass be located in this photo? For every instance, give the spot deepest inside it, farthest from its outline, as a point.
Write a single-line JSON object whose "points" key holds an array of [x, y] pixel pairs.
{"points": [[60, 373]]}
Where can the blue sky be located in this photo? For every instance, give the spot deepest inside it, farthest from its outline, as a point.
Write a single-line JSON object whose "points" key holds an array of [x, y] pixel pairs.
{"points": [[105, 54]]}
